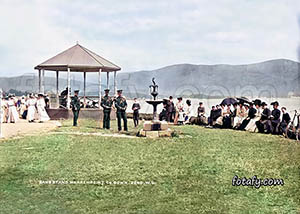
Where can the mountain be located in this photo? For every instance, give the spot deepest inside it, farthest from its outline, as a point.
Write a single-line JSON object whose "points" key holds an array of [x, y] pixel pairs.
{"points": [[274, 78]]}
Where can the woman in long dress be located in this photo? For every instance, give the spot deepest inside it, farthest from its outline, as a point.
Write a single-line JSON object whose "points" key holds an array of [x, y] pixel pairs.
{"points": [[251, 127], [179, 111], [31, 108], [4, 110], [188, 111], [224, 113], [42, 113], [13, 115], [22, 105], [240, 116]]}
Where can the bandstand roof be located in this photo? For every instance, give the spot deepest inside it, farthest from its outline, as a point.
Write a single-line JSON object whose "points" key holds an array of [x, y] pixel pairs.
{"points": [[80, 59]]}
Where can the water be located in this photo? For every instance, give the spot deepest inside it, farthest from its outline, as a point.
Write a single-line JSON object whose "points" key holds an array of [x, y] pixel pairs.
{"points": [[290, 103]]}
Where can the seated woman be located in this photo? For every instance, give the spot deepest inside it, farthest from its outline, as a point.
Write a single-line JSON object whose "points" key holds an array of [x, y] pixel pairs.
{"points": [[223, 112], [251, 126], [201, 114], [227, 118], [250, 115], [286, 119], [188, 111], [240, 115]]}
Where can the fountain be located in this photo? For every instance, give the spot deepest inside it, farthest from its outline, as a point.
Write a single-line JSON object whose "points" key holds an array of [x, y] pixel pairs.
{"points": [[154, 92], [155, 128]]}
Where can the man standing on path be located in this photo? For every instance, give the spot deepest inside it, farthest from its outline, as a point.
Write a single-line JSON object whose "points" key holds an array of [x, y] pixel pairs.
{"points": [[106, 104], [136, 107], [121, 105], [75, 104]]}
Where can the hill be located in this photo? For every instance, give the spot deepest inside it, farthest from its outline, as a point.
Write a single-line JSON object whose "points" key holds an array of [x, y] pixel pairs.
{"points": [[274, 78]]}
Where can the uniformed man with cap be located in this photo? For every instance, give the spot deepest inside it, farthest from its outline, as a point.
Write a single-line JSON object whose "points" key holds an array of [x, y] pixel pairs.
{"points": [[121, 105], [75, 104], [106, 104]]}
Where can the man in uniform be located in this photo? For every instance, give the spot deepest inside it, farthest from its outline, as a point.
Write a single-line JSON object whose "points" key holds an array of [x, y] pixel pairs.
{"points": [[75, 104], [121, 105], [106, 104]]}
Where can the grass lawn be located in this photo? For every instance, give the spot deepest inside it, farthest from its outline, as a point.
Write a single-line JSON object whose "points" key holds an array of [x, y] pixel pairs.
{"points": [[192, 173]]}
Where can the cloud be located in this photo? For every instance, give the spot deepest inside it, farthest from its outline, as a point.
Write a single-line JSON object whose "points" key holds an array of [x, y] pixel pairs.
{"points": [[142, 34]]}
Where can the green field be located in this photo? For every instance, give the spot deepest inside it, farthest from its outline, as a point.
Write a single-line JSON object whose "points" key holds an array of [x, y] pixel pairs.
{"points": [[192, 172]]}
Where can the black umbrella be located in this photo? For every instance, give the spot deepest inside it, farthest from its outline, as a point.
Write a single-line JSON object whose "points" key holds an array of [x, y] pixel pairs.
{"points": [[244, 100], [229, 100]]}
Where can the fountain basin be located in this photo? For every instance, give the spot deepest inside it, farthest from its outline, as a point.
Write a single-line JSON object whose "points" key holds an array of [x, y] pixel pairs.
{"points": [[154, 102]]}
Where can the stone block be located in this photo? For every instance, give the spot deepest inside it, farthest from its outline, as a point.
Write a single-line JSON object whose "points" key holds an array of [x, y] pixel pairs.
{"points": [[164, 125], [142, 133], [152, 134], [165, 133], [147, 126]]}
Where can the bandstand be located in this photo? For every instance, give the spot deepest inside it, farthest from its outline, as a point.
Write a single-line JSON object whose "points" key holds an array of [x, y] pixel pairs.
{"points": [[76, 59]]}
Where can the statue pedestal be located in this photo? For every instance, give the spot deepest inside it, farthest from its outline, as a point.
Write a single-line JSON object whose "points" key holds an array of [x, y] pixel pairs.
{"points": [[155, 129]]}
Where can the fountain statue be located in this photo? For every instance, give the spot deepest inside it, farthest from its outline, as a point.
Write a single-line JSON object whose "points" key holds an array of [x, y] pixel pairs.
{"points": [[154, 102], [155, 128]]}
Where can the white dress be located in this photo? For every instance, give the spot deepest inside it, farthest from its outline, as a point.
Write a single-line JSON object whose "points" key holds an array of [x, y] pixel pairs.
{"points": [[251, 127], [4, 110], [224, 113], [42, 114], [13, 115], [31, 102], [187, 114], [240, 116], [23, 106], [180, 110]]}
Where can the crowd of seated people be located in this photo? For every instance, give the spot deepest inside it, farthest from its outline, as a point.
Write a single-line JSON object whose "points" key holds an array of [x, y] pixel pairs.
{"points": [[253, 116]]}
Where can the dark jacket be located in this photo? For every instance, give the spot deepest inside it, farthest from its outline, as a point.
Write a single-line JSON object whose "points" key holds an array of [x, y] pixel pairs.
{"points": [[286, 118], [251, 113], [276, 115], [265, 115], [137, 106]]}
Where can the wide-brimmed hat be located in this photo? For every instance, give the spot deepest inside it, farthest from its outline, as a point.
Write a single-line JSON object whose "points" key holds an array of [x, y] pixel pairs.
{"points": [[107, 89], [275, 103], [257, 102], [120, 90], [264, 104]]}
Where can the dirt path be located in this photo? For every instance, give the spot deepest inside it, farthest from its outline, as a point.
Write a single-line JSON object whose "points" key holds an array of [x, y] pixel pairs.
{"points": [[22, 128], [94, 134]]}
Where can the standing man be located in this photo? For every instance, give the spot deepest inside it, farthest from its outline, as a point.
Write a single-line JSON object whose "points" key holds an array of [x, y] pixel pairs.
{"points": [[106, 104], [121, 105], [75, 104], [136, 107], [170, 110]]}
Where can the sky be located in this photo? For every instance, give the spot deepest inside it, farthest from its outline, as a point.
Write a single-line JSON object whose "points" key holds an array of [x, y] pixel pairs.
{"points": [[145, 35]]}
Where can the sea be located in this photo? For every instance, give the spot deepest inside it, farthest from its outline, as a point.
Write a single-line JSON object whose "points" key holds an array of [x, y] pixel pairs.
{"points": [[291, 104]]}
